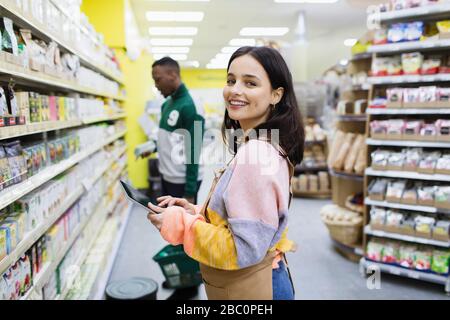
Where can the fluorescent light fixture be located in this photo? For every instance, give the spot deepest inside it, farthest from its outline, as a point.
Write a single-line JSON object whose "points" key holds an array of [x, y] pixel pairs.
{"points": [[193, 64], [190, 16], [229, 49], [264, 31], [240, 42], [171, 42], [170, 50], [343, 62], [350, 42], [176, 31], [306, 1], [178, 57]]}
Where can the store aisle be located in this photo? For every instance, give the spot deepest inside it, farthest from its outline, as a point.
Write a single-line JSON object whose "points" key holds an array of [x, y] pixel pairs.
{"points": [[319, 272]]}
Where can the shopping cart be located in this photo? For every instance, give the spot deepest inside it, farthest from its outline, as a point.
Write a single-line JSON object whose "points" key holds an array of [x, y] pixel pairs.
{"points": [[178, 268]]}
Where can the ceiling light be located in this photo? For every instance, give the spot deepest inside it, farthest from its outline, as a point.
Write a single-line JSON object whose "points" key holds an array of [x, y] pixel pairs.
{"points": [[242, 42], [216, 66], [171, 42], [263, 31], [178, 57], [350, 42], [170, 50], [306, 1], [229, 49], [222, 57], [343, 62], [176, 31], [174, 16], [193, 64]]}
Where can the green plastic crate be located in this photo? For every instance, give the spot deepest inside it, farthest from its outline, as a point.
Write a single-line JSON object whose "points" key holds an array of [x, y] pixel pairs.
{"points": [[178, 268]]}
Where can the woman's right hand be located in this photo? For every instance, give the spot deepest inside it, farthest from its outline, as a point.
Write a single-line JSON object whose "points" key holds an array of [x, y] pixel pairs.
{"points": [[168, 201]]}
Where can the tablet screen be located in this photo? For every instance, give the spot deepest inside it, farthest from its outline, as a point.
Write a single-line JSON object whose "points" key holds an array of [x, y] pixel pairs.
{"points": [[135, 194]]}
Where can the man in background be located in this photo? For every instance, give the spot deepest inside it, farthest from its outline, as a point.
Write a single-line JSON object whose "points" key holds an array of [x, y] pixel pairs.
{"points": [[180, 138]]}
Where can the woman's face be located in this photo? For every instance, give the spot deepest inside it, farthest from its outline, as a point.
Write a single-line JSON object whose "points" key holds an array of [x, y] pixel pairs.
{"points": [[248, 93]]}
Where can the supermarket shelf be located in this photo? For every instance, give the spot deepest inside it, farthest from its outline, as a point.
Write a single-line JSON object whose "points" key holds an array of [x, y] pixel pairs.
{"points": [[40, 127], [443, 44], [312, 194], [305, 169], [356, 118], [99, 290], [30, 238], [346, 175], [434, 111], [353, 252], [33, 78], [406, 143], [17, 191], [408, 273], [361, 87], [424, 12], [39, 30], [361, 56], [414, 207], [407, 175], [308, 143], [379, 233], [106, 118], [101, 221], [444, 77]]}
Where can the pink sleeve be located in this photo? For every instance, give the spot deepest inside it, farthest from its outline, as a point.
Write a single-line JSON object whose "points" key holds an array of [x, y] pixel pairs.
{"points": [[177, 226]]}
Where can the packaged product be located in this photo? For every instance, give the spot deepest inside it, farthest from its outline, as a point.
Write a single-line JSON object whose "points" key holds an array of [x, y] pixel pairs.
{"points": [[9, 41], [5, 171], [442, 197], [16, 160], [390, 253], [441, 230], [19, 220], [428, 95], [413, 31], [411, 97], [424, 226], [379, 67], [443, 27], [377, 218], [395, 128], [425, 195], [412, 129], [374, 250], [9, 238], [393, 220], [3, 244], [378, 129], [11, 100], [428, 162], [380, 36], [394, 97], [394, 191], [25, 279], [412, 159], [380, 159], [443, 164], [396, 33], [443, 129], [428, 131], [430, 66], [410, 194], [396, 161], [3, 103], [443, 97], [422, 259], [9, 285], [16, 274], [378, 103], [411, 62], [394, 66], [408, 226], [406, 256], [440, 263], [377, 189]]}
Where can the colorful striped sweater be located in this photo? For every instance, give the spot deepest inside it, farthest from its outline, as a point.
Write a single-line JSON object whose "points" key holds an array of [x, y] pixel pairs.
{"points": [[247, 213]]}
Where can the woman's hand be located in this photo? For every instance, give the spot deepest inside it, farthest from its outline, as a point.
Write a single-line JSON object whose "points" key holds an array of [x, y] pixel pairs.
{"points": [[156, 219], [168, 201]]}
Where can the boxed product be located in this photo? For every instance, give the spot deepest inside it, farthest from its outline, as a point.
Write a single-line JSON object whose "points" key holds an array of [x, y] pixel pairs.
{"points": [[393, 221], [406, 256], [422, 259], [5, 170], [428, 162], [411, 98], [412, 130], [407, 227], [390, 253], [378, 129], [444, 29], [442, 197], [431, 65], [380, 159], [377, 189], [3, 244], [410, 194], [394, 98], [440, 263], [411, 63], [443, 97], [396, 161], [428, 132], [394, 66], [441, 230], [395, 129], [443, 130], [424, 226], [377, 218], [412, 159], [443, 164], [425, 195], [374, 250], [10, 229], [394, 191]]}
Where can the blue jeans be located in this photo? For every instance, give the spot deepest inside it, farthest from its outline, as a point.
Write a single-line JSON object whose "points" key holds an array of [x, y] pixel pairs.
{"points": [[282, 286]]}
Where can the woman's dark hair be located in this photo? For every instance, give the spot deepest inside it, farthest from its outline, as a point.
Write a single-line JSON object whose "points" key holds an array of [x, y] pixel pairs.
{"points": [[286, 115]]}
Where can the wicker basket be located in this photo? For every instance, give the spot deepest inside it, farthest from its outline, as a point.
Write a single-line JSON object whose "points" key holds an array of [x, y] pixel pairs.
{"points": [[354, 207], [346, 232]]}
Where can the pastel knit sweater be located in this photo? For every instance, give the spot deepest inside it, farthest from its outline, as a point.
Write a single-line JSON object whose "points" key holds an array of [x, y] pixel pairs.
{"points": [[248, 213]]}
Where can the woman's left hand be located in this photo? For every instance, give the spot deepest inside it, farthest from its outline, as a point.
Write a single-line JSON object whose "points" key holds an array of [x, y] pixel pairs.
{"points": [[156, 216]]}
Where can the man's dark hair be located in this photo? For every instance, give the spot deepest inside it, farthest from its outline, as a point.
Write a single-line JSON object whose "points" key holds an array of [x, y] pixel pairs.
{"points": [[167, 62]]}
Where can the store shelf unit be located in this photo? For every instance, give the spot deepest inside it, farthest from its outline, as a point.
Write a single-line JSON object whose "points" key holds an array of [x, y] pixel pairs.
{"points": [[378, 85], [97, 218], [41, 127], [17, 191], [365, 264], [9, 9], [346, 175], [30, 238]]}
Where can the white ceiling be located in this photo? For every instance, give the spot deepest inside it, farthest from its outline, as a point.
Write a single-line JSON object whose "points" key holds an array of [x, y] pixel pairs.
{"points": [[224, 19]]}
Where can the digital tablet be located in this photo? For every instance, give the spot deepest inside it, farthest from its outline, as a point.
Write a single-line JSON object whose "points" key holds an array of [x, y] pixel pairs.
{"points": [[136, 196]]}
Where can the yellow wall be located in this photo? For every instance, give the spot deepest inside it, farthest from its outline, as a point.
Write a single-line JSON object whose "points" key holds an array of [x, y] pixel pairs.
{"points": [[108, 18], [203, 78]]}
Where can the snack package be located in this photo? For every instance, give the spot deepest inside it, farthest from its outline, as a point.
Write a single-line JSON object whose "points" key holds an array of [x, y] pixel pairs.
{"points": [[428, 94], [16, 160], [424, 226], [380, 36], [440, 263], [441, 230], [443, 164], [411, 96], [377, 217], [411, 62], [443, 129], [428, 162], [374, 250], [412, 159], [442, 197], [377, 189], [379, 67], [396, 161], [422, 259], [395, 128], [430, 66], [5, 170], [412, 129], [428, 131], [378, 129], [395, 190], [11, 101], [394, 66], [390, 253], [380, 159], [443, 97], [410, 194], [394, 97], [393, 220], [406, 256], [396, 33], [413, 31], [9, 40], [378, 103]]}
